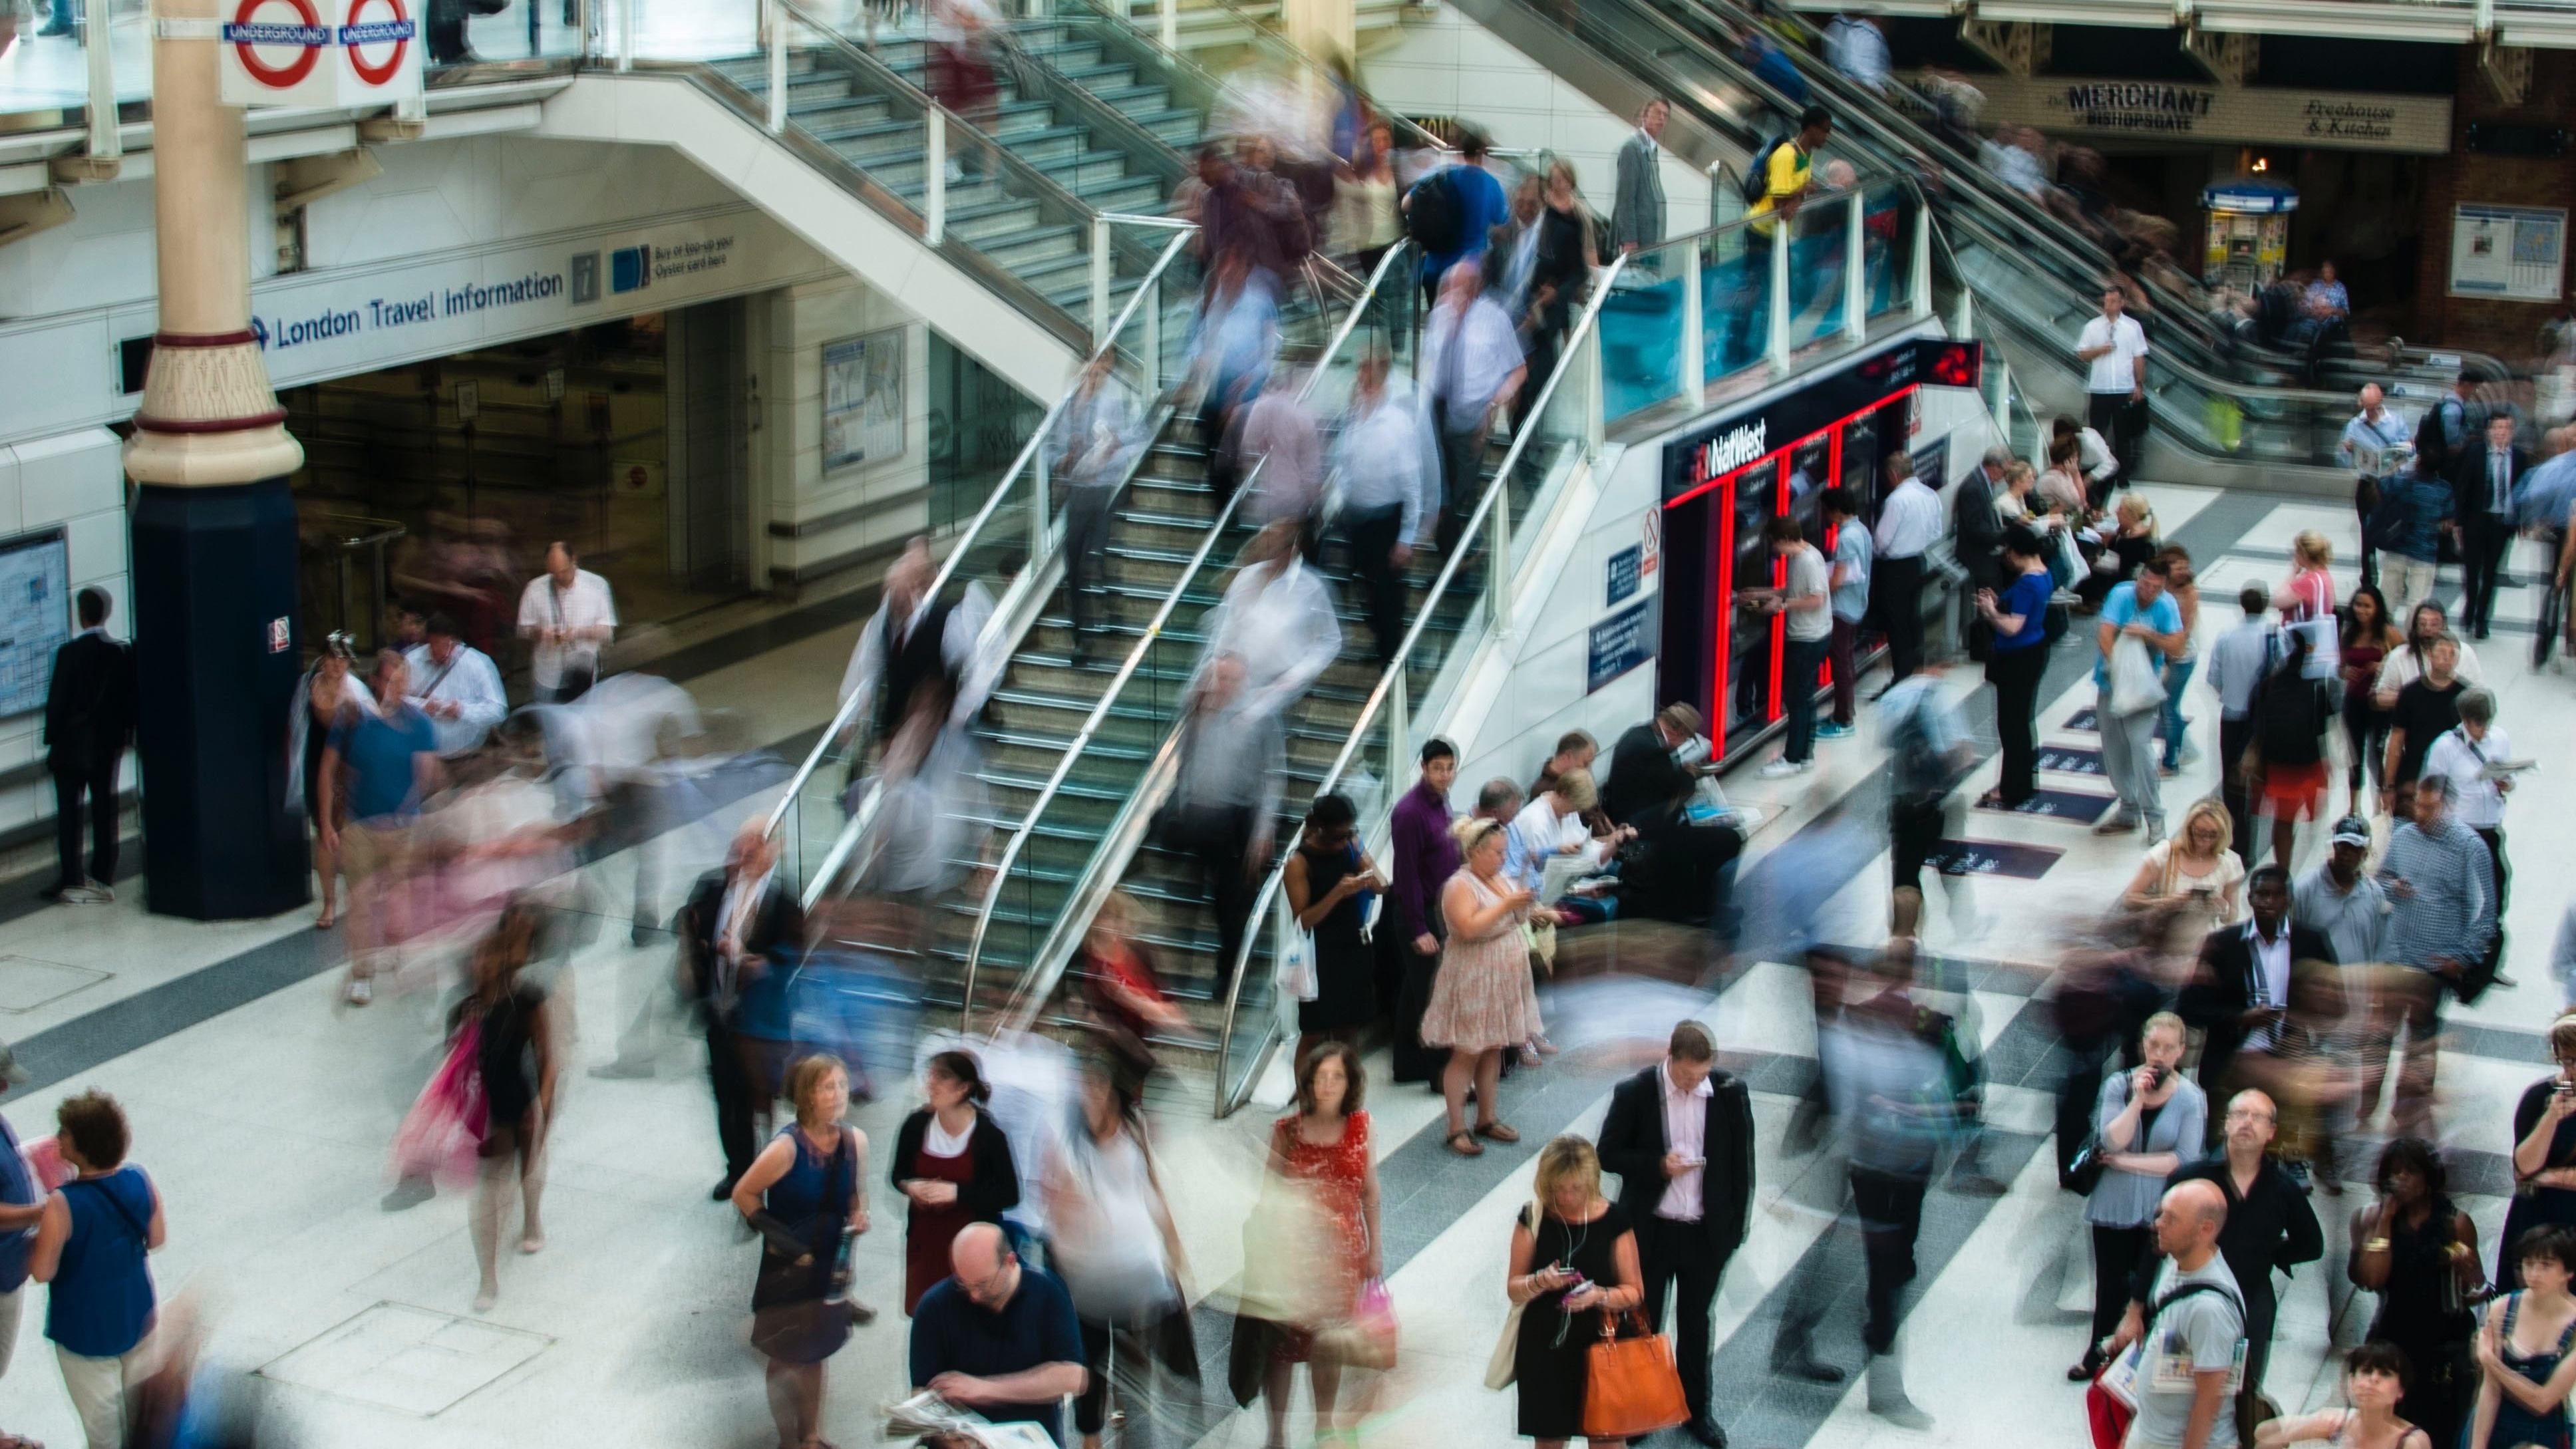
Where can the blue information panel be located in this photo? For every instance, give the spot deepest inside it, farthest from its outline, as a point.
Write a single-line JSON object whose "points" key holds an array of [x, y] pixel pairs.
{"points": [[1624, 572], [1620, 643], [35, 617]]}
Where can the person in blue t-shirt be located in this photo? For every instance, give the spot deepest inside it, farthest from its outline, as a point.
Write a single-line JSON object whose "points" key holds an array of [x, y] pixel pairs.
{"points": [[998, 1338], [383, 764], [2143, 609], [2019, 618], [1480, 204], [91, 1248]]}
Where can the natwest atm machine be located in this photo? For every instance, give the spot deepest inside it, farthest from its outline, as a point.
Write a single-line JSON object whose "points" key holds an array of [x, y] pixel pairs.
{"points": [[1725, 480]]}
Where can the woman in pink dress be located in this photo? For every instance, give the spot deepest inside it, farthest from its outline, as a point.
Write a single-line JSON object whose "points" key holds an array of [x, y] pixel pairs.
{"points": [[1324, 1149], [1482, 1001]]}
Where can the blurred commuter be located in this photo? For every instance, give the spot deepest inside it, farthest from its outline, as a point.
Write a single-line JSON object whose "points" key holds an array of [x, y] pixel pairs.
{"points": [[953, 1165], [2240, 660], [1323, 1150], [2375, 441], [2019, 619], [1853, 550], [2139, 610], [2441, 883], [1098, 439], [1882, 1059], [1855, 47], [2484, 516], [1785, 171], [380, 765], [2239, 994], [1113, 1244], [516, 1043], [1281, 449], [1234, 341], [2183, 582], [1928, 753], [1114, 972], [1637, 213], [1511, 254], [916, 637], [457, 686], [91, 1252], [1910, 521], [998, 1338], [2425, 623], [570, 615], [1574, 1269], [2368, 636], [1389, 460], [2415, 1249], [1276, 622], [966, 37], [326, 691], [1365, 220], [1452, 213], [739, 927], [2426, 709], [2417, 506], [1225, 801], [89, 723], [1482, 1001], [1330, 883], [2464, 755], [2146, 1123], [806, 1196], [1560, 282], [1680, 1135], [2285, 760], [1473, 366], [1420, 861]]}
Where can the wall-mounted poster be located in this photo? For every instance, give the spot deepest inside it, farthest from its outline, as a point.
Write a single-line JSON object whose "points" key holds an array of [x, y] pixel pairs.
{"points": [[35, 616], [863, 399], [2516, 252]]}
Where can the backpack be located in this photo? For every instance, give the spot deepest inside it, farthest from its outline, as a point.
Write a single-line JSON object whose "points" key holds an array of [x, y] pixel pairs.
{"points": [[1757, 173], [2391, 525], [1917, 773], [1436, 214], [2289, 717]]}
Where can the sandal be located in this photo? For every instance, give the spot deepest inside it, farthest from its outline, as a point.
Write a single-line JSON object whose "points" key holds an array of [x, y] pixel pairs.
{"points": [[18, 1441], [1497, 1132], [1465, 1145]]}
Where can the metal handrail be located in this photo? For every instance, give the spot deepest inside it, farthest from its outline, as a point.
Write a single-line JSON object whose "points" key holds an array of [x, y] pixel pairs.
{"points": [[845, 716], [1569, 355], [1136, 656]]}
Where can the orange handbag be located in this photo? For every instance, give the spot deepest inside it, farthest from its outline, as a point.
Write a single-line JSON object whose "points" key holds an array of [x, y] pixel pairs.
{"points": [[1632, 1387]]}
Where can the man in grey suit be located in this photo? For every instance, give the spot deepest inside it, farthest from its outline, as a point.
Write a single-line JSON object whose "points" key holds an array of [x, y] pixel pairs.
{"points": [[1637, 219]]}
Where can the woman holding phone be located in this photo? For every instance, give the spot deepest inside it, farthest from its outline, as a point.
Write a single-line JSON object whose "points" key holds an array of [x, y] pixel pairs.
{"points": [[1573, 1259], [2544, 1154], [2144, 1124]]}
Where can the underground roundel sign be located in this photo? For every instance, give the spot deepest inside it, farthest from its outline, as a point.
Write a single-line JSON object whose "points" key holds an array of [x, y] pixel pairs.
{"points": [[277, 43], [330, 53], [377, 40]]}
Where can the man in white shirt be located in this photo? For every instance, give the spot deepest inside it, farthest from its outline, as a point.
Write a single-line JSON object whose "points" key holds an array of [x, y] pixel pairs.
{"points": [[457, 686], [570, 615], [1472, 367], [1276, 621], [2462, 754], [1854, 46], [2114, 346], [2375, 444], [1802, 601], [1909, 522], [1390, 467]]}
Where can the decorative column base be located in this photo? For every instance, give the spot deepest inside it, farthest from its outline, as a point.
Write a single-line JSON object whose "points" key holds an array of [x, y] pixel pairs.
{"points": [[214, 571]]}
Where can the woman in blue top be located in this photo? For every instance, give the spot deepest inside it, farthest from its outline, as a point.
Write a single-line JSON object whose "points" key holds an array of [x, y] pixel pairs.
{"points": [[803, 1196], [2019, 619], [90, 1247], [2524, 1350]]}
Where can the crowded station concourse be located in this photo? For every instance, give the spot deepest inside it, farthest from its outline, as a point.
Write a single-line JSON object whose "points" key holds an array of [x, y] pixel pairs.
{"points": [[1436, 805]]}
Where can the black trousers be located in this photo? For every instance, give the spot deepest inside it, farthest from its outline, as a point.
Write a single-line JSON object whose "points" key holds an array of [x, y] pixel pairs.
{"points": [[2233, 735], [1086, 545], [1411, 1060], [1133, 1370], [2365, 489], [2122, 424], [1462, 476], [1899, 586], [2115, 1270], [2484, 538], [2015, 674], [1371, 537], [731, 1084], [1890, 1206], [1913, 834], [1218, 840], [1681, 1265], [99, 784]]}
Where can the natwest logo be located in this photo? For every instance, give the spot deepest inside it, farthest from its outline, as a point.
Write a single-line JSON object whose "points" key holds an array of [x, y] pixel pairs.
{"points": [[1737, 448]]}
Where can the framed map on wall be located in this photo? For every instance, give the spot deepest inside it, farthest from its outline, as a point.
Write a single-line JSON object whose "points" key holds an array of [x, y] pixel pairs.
{"points": [[35, 616], [863, 400]]}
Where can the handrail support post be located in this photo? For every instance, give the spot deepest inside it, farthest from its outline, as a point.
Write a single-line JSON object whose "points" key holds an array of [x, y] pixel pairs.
{"points": [[1694, 358], [934, 160], [1855, 269], [1921, 286]]}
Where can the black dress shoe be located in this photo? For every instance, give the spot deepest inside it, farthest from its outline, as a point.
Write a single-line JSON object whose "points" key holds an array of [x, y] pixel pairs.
{"points": [[1705, 1430], [724, 1189], [1809, 1367]]}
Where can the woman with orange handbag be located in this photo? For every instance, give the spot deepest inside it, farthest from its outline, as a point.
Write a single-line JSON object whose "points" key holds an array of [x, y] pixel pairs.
{"points": [[1573, 1266]]}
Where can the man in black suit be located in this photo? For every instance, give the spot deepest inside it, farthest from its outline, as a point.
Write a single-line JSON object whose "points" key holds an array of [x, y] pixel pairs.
{"points": [[1680, 1136], [1643, 772], [2482, 503], [737, 933], [89, 722], [2240, 991]]}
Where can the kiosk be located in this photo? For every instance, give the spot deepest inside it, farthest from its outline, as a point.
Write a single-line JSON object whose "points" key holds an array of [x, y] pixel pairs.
{"points": [[2249, 232]]}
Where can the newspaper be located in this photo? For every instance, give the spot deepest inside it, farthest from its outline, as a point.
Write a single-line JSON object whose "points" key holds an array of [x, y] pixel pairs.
{"points": [[927, 1416], [1562, 871]]}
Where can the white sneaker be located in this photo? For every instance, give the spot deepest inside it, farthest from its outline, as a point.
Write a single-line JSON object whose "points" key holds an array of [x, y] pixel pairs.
{"points": [[81, 895], [1783, 769], [102, 891], [361, 991]]}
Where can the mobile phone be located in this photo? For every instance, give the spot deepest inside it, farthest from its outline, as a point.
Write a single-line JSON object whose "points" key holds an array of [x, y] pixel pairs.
{"points": [[2156, 1077]]}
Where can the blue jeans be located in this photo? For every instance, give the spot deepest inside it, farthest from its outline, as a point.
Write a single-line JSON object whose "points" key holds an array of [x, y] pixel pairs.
{"points": [[61, 19], [2177, 674]]}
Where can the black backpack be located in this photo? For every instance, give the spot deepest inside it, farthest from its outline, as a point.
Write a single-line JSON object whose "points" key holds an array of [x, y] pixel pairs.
{"points": [[2391, 525], [1436, 215], [1757, 173]]}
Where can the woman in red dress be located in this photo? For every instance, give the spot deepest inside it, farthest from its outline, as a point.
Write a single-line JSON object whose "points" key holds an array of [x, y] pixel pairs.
{"points": [[953, 1166], [1325, 1150]]}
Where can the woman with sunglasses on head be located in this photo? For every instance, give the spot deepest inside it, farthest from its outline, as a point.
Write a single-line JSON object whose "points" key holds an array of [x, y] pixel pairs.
{"points": [[2544, 1152]]}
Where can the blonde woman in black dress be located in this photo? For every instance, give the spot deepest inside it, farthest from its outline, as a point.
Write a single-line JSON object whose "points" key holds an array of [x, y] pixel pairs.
{"points": [[1577, 1263]]}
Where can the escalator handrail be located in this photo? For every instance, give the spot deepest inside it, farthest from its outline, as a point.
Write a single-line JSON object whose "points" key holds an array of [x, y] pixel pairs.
{"points": [[1569, 353], [846, 715], [1189, 577]]}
